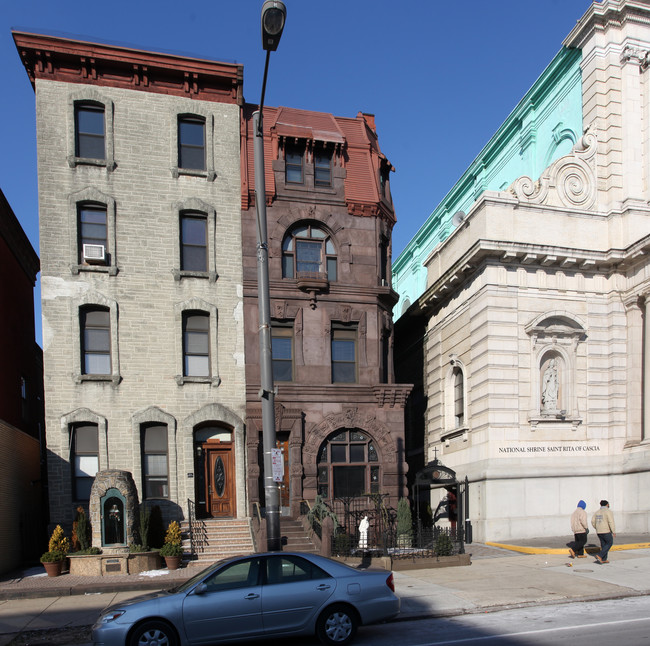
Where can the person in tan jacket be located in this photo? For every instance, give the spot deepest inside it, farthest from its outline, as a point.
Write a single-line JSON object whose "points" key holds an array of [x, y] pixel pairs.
{"points": [[580, 529], [603, 522]]}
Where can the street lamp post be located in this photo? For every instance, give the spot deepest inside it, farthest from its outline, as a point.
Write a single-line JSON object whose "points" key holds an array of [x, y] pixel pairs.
{"points": [[273, 17]]}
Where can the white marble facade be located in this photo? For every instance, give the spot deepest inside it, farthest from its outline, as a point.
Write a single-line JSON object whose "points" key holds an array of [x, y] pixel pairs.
{"points": [[539, 299]]}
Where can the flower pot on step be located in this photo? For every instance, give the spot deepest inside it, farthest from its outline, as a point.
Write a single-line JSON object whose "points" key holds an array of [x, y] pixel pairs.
{"points": [[173, 562], [53, 568]]}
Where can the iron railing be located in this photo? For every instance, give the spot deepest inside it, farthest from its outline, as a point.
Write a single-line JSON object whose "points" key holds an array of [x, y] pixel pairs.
{"points": [[382, 536], [197, 530]]}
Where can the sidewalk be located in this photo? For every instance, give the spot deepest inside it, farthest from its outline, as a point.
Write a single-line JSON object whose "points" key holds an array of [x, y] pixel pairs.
{"points": [[537, 571]]}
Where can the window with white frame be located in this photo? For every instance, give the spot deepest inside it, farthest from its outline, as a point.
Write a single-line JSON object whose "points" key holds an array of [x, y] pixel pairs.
{"points": [[95, 326], [196, 344], [92, 232], [84, 459], [155, 467], [194, 241], [90, 132], [191, 142]]}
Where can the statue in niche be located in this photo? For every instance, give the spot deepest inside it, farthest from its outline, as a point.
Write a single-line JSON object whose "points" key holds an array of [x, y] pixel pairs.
{"points": [[550, 386], [113, 522]]}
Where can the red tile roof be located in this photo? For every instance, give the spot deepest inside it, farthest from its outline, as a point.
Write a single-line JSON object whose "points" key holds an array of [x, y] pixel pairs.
{"points": [[356, 136]]}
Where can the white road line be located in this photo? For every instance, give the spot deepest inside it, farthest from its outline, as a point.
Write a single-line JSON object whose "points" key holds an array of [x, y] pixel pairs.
{"points": [[532, 632]]}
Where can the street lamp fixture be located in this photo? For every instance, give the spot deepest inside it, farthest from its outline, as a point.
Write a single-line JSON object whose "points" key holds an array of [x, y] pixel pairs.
{"points": [[274, 14], [273, 18]]}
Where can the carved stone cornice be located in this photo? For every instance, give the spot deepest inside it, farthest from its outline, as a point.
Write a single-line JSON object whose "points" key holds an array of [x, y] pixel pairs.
{"points": [[73, 61]]}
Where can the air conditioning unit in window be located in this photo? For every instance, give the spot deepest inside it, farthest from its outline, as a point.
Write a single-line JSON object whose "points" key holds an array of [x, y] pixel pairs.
{"points": [[94, 253]]}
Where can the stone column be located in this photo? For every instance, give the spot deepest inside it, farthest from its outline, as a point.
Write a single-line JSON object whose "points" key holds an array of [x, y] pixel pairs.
{"points": [[636, 364], [644, 381], [632, 62]]}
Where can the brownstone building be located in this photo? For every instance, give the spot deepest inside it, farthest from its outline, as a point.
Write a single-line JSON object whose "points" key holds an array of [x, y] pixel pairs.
{"points": [[339, 414]]}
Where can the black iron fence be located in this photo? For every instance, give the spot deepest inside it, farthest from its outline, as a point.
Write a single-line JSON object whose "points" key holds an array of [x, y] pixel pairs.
{"points": [[366, 524], [428, 542]]}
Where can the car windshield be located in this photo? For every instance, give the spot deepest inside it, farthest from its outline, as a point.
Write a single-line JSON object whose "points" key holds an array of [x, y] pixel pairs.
{"points": [[184, 587]]}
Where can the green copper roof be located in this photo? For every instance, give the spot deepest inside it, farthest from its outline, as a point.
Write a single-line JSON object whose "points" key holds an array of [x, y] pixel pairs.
{"points": [[544, 126]]}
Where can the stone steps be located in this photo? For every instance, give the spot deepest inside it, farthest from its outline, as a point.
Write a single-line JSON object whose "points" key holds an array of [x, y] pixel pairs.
{"points": [[216, 539], [297, 538]]}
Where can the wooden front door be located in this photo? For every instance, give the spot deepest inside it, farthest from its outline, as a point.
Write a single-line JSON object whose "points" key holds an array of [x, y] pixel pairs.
{"points": [[219, 481]]}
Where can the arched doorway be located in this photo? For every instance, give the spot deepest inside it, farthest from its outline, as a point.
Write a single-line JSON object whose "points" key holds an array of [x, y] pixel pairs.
{"points": [[214, 459]]}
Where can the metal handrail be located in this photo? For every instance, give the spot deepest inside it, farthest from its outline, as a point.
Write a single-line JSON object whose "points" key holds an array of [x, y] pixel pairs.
{"points": [[191, 510]]}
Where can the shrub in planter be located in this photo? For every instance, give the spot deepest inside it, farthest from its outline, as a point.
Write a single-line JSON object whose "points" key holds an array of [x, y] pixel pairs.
{"points": [[52, 557], [59, 542], [404, 524], [81, 530], [171, 549], [444, 545], [90, 551], [173, 541]]}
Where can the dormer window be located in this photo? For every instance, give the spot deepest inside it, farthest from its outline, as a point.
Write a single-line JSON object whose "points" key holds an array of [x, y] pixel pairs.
{"points": [[293, 159], [322, 168]]}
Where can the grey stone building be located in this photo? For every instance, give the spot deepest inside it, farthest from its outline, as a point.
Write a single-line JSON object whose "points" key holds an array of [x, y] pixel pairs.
{"points": [[139, 198]]}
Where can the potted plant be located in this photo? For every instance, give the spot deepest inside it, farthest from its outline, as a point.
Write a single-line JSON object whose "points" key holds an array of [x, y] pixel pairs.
{"points": [[172, 550], [58, 548]]}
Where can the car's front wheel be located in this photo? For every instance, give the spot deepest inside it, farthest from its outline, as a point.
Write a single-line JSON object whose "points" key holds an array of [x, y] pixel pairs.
{"points": [[153, 633], [337, 625]]}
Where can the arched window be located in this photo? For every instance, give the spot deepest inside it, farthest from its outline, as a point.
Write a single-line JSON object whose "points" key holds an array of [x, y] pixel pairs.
{"points": [[308, 251], [459, 398], [348, 465], [455, 396]]}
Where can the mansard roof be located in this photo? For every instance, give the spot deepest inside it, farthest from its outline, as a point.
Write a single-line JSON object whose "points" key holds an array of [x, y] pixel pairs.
{"points": [[75, 61], [355, 138]]}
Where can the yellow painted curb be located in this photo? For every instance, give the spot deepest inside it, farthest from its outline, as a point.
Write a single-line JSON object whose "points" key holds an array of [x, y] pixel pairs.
{"points": [[564, 550]]}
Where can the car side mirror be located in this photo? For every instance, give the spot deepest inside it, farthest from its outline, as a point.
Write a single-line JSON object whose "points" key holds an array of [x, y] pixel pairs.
{"points": [[200, 589]]}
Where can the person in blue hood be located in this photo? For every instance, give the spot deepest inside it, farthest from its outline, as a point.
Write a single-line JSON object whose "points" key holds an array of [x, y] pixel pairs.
{"points": [[580, 529]]}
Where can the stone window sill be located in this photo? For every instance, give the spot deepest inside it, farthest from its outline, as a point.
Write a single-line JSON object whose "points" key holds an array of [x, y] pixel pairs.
{"points": [[213, 381], [114, 379], [209, 175]]}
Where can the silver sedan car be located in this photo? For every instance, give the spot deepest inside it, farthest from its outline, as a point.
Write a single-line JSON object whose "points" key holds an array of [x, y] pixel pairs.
{"points": [[255, 597]]}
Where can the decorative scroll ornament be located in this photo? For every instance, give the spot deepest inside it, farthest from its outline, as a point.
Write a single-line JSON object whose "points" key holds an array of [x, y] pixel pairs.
{"points": [[569, 181]]}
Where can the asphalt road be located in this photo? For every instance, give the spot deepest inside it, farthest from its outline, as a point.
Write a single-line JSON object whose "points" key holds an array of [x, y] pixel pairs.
{"points": [[623, 622]]}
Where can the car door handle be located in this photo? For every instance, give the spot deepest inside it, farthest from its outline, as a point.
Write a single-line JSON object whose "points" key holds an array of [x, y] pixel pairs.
{"points": [[322, 586], [252, 595]]}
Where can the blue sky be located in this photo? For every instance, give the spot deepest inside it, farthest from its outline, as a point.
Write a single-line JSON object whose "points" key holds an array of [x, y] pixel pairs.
{"points": [[440, 77]]}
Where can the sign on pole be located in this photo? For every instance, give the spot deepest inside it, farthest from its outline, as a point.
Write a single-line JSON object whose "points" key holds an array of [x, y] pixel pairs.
{"points": [[278, 464]]}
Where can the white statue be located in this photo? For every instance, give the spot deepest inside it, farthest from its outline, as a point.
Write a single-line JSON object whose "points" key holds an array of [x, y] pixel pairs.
{"points": [[363, 533], [550, 386]]}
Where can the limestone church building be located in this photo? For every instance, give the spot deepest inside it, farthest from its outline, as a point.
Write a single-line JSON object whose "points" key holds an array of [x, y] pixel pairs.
{"points": [[528, 288]]}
